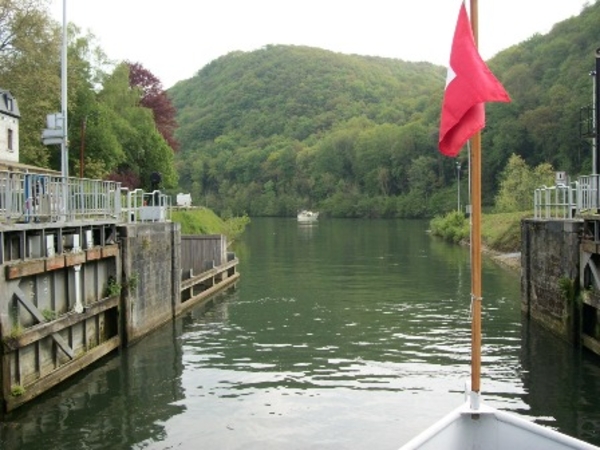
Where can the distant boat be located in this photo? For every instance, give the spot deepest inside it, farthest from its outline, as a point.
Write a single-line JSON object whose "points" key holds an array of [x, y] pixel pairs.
{"points": [[306, 216]]}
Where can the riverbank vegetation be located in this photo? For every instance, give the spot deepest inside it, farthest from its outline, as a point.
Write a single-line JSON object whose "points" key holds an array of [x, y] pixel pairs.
{"points": [[204, 221], [500, 232], [501, 226]]}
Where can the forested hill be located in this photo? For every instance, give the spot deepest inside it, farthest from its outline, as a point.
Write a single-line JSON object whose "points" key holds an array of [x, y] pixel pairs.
{"points": [[299, 91], [284, 127]]}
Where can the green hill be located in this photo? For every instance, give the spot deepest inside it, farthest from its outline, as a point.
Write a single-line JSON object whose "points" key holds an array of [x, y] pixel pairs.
{"points": [[297, 92], [282, 128]]}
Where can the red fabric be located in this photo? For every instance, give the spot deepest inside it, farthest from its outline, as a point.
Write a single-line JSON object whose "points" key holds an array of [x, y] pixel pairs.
{"points": [[468, 86]]}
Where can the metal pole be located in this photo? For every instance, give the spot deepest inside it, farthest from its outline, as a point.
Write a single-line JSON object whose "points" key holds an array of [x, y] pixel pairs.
{"points": [[596, 116], [458, 197], [593, 129], [82, 147], [64, 144], [63, 77], [596, 138]]}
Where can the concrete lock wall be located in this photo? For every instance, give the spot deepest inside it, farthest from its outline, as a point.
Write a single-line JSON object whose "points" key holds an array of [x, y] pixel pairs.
{"points": [[550, 264], [56, 314], [151, 260], [73, 293]]}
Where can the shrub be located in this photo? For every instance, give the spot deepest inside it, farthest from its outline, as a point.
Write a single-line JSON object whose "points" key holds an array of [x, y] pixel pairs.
{"points": [[454, 227]]}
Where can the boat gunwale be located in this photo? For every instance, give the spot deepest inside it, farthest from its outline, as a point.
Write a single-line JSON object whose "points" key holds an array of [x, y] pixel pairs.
{"points": [[511, 420]]}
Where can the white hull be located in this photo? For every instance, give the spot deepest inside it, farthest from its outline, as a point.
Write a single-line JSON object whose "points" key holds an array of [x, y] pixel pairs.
{"points": [[491, 429], [308, 216]]}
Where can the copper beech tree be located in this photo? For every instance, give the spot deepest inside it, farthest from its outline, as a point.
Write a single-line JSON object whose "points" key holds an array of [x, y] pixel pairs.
{"points": [[155, 98]]}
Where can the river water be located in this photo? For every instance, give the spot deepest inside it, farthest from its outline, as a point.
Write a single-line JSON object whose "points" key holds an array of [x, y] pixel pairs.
{"points": [[346, 334]]}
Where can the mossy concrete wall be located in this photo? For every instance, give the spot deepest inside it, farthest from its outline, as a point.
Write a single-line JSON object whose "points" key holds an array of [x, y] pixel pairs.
{"points": [[151, 261], [550, 258]]}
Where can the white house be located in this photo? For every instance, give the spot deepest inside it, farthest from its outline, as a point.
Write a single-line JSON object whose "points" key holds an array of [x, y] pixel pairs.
{"points": [[9, 127]]}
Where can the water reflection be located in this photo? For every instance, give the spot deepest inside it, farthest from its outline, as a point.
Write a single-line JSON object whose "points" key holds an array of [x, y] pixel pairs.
{"points": [[355, 334], [307, 230], [561, 382], [122, 399]]}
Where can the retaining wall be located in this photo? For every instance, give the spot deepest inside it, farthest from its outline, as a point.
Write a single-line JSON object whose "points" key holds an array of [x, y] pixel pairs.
{"points": [[69, 295], [151, 261], [550, 257]]}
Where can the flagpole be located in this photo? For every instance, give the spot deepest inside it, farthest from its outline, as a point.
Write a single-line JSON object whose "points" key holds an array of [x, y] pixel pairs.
{"points": [[475, 245], [469, 85]]}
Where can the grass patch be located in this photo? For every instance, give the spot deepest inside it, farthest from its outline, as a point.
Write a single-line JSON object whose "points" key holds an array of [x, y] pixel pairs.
{"points": [[49, 315], [502, 231], [499, 231], [133, 281], [198, 221], [17, 390], [16, 331], [113, 288], [204, 221]]}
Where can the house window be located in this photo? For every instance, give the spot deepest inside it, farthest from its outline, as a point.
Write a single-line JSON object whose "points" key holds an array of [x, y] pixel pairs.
{"points": [[11, 147]]}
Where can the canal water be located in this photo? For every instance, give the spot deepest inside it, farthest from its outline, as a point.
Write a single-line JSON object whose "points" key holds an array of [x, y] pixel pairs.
{"points": [[346, 334]]}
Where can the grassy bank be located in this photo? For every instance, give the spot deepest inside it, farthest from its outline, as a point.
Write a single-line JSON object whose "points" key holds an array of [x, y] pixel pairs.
{"points": [[500, 232], [204, 221]]}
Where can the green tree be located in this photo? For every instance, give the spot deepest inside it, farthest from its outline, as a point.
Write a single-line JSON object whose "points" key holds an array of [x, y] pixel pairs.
{"points": [[518, 183], [422, 176], [30, 69], [144, 149], [91, 141]]}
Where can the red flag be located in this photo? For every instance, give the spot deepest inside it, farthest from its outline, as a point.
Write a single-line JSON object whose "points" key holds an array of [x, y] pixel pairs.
{"points": [[469, 85]]}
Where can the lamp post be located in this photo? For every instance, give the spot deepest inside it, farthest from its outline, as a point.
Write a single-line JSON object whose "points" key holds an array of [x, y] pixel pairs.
{"points": [[64, 146], [82, 146], [458, 177], [63, 77]]}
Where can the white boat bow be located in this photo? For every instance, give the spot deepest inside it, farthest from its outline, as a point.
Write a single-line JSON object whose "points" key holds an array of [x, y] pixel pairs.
{"points": [[487, 428]]}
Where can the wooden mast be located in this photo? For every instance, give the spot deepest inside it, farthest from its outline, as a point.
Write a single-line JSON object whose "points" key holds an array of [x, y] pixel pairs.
{"points": [[475, 239]]}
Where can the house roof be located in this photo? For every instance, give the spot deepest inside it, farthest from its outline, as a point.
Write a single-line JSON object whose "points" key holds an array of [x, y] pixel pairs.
{"points": [[8, 104]]}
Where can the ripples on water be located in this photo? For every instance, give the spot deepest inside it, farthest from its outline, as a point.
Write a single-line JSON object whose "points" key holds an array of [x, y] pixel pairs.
{"points": [[378, 368], [349, 335]]}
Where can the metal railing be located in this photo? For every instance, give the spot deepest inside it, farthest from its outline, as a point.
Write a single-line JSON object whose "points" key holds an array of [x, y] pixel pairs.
{"points": [[33, 198], [27, 198], [146, 206], [556, 202], [93, 199], [567, 201], [588, 193]]}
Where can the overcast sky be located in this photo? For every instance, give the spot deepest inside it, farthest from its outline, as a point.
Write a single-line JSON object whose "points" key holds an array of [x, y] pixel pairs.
{"points": [[176, 38]]}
